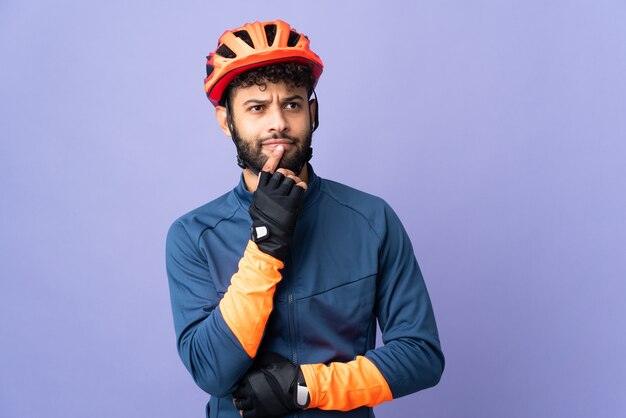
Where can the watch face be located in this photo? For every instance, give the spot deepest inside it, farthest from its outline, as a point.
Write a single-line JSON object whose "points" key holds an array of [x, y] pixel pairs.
{"points": [[302, 397], [259, 232]]}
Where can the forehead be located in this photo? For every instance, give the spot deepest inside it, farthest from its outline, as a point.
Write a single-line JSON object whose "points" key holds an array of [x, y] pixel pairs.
{"points": [[267, 91]]}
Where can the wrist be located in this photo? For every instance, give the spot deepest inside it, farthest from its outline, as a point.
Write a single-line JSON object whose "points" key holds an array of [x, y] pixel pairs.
{"points": [[256, 253]]}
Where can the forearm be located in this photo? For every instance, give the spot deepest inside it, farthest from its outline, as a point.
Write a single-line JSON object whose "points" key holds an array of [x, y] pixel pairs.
{"points": [[345, 386], [249, 300], [409, 364]]}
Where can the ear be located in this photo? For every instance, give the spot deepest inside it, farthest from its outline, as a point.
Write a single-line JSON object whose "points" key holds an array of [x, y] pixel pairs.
{"points": [[312, 111], [222, 119]]}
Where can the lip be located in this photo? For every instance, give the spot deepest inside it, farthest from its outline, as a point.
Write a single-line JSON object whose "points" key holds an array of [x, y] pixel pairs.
{"points": [[273, 143], [277, 141]]}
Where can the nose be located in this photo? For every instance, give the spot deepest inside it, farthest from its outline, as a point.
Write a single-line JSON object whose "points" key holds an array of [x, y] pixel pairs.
{"points": [[278, 122]]}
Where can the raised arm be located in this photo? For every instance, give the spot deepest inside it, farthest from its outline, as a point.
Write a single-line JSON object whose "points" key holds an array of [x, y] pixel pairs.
{"points": [[217, 339]]}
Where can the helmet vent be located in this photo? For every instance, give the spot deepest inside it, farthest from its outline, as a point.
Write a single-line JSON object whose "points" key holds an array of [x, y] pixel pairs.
{"points": [[244, 36], [225, 52], [294, 37], [270, 33], [209, 69]]}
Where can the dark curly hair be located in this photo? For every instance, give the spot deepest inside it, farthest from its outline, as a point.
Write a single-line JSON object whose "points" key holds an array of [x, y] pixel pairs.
{"points": [[292, 73]]}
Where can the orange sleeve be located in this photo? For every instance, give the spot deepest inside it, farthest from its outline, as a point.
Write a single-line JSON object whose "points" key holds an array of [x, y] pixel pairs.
{"points": [[249, 299], [345, 386]]}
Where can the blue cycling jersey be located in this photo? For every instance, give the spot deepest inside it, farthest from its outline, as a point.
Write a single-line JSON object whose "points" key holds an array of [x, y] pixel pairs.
{"points": [[351, 264]]}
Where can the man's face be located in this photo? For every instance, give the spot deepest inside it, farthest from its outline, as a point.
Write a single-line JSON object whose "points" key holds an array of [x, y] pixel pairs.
{"points": [[270, 115]]}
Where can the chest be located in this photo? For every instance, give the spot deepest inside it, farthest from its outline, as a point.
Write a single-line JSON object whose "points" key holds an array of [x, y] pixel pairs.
{"points": [[331, 249]]}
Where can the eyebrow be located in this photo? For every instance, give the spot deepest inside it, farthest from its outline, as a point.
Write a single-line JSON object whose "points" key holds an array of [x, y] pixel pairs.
{"points": [[254, 101], [293, 97], [286, 99]]}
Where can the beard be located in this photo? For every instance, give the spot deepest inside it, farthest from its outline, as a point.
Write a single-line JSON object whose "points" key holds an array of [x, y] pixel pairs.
{"points": [[251, 151]]}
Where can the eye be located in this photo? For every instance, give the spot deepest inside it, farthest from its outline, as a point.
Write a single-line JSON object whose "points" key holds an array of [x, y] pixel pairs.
{"points": [[292, 105], [256, 108]]}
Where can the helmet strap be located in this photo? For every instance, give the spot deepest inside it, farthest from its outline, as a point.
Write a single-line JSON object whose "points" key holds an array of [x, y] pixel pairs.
{"points": [[316, 120], [231, 128], [316, 123]]}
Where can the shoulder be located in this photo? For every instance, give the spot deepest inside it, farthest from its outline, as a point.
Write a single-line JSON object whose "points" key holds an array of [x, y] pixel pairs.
{"points": [[208, 216], [372, 208], [351, 197]]}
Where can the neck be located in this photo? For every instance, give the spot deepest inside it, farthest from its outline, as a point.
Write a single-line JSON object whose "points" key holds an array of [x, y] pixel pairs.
{"points": [[252, 180]]}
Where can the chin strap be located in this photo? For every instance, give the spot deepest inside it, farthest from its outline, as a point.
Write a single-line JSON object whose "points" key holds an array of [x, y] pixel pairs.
{"points": [[316, 124], [240, 162], [306, 160]]}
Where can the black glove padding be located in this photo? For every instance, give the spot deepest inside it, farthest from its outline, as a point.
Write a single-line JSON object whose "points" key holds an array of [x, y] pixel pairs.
{"points": [[269, 389], [274, 211]]}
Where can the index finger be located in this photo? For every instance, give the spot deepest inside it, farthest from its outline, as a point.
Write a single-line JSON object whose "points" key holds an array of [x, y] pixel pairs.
{"points": [[272, 161]]}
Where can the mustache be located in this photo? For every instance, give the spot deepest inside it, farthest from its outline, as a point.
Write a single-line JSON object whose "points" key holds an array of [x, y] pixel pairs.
{"points": [[292, 139]]}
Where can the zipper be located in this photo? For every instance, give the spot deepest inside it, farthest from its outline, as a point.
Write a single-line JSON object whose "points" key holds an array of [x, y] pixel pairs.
{"points": [[291, 315], [292, 330], [292, 325]]}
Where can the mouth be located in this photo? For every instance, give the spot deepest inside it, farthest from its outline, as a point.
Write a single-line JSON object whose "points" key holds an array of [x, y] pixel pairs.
{"points": [[275, 142]]}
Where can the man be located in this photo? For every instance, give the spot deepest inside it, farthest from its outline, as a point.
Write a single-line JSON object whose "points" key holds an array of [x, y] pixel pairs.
{"points": [[277, 285]]}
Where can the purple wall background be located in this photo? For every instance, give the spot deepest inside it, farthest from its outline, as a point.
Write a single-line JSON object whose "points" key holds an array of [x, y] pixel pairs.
{"points": [[496, 129]]}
